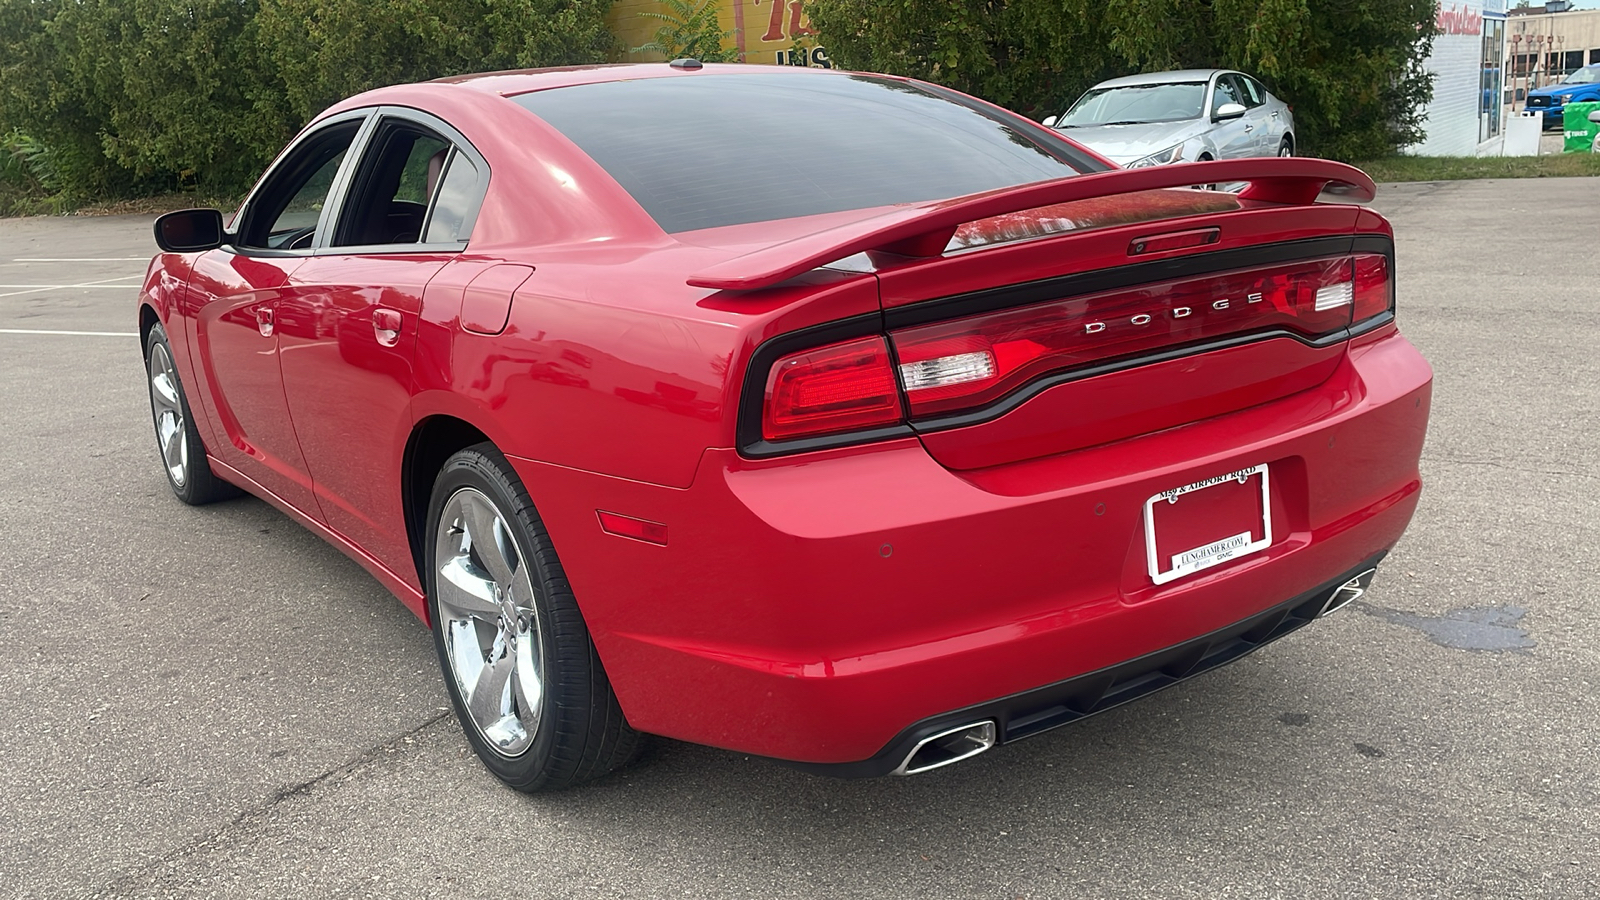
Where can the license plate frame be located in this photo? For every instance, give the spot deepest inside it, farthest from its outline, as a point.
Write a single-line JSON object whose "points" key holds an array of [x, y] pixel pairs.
{"points": [[1216, 552]]}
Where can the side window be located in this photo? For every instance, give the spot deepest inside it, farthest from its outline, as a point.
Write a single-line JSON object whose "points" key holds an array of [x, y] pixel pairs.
{"points": [[1227, 92], [399, 174], [283, 214], [1254, 93], [458, 191]]}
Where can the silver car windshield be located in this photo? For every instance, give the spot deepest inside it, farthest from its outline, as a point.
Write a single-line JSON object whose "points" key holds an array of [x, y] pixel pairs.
{"points": [[1137, 104], [1585, 75]]}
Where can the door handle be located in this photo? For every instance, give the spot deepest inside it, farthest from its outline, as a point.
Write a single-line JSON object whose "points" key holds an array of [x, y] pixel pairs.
{"points": [[264, 320], [1249, 128], [386, 325]]}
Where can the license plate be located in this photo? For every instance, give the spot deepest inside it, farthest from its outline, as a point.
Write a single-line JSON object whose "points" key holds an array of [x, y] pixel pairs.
{"points": [[1205, 524]]}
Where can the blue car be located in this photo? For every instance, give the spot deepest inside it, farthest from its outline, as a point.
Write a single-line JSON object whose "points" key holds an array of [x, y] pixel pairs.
{"points": [[1580, 86]]}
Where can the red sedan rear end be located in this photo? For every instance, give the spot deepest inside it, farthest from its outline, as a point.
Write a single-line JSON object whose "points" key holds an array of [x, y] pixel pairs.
{"points": [[923, 434]]}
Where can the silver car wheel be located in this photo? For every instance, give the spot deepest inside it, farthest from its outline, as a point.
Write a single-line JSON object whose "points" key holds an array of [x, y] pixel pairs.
{"points": [[489, 621], [1285, 149], [167, 408]]}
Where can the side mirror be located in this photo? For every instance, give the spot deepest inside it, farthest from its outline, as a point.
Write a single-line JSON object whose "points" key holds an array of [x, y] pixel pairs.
{"points": [[1595, 116], [1229, 111], [190, 231], [1048, 121]]}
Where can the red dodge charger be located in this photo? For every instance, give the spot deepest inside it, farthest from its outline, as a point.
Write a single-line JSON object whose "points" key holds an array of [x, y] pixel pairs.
{"points": [[836, 418]]}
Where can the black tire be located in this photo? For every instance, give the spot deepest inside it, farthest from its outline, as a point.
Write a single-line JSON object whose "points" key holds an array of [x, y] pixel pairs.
{"points": [[193, 482], [1286, 146], [581, 733]]}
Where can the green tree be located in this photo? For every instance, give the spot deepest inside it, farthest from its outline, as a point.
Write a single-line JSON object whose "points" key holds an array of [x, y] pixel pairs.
{"points": [[690, 30], [127, 94], [138, 96], [322, 51], [1352, 69]]}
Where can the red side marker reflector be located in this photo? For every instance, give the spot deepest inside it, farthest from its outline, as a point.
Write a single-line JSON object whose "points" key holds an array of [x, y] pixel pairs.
{"points": [[1176, 240], [629, 527]]}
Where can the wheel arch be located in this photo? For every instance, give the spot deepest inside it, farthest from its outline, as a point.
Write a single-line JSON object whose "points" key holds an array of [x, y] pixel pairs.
{"points": [[433, 440], [148, 319]]}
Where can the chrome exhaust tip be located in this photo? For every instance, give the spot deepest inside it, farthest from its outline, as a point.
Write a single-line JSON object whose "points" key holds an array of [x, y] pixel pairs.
{"points": [[1347, 593], [946, 747]]}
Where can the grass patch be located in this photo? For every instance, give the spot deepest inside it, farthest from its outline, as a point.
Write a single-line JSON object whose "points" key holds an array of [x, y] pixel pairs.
{"points": [[1456, 168], [161, 203], [17, 201]]}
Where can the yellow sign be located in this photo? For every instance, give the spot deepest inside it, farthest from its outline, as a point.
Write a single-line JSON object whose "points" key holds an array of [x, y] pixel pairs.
{"points": [[774, 32]]}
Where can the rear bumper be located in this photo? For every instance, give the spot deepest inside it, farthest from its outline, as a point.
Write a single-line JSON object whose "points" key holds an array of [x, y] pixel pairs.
{"points": [[821, 609], [1042, 709]]}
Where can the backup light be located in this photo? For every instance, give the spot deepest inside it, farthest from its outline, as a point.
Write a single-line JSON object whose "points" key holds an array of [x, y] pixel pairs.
{"points": [[1335, 295], [947, 370]]}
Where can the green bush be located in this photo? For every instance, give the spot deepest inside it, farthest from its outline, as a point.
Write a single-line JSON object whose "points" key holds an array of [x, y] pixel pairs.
{"points": [[145, 96], [28, 180], [1352, 69]]}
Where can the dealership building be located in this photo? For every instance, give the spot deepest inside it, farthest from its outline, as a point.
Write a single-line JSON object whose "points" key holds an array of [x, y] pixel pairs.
{"points": [[1466, 117]]}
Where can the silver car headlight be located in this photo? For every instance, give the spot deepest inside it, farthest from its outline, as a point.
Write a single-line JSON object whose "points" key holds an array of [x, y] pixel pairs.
{"points": [[1565, 98], [1170, 155]]}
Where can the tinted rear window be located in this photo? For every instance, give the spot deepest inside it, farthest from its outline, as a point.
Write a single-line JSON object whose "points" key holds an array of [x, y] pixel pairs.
{"points": [[711, 150]]}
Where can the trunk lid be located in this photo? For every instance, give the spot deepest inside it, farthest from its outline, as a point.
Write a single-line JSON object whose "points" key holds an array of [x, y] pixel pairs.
{"points": [[1060, 315], [1092, 336]]}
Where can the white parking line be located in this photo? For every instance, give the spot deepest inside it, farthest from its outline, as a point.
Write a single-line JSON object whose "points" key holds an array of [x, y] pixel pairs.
{"points": [[76, 333], [36, 288]]}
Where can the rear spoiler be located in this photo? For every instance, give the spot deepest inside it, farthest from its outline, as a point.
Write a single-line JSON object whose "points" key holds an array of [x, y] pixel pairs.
{"points": [[925, 229]]}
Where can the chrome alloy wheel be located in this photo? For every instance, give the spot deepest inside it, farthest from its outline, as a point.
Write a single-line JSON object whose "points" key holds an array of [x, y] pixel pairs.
{"points": [[167, 408], [489, 621]]}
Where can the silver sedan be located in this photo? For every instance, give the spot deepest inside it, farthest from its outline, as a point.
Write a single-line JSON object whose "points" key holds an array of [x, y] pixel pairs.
{"points": [[1183, 116]]}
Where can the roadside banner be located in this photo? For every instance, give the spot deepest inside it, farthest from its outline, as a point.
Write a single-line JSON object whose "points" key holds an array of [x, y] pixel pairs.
{"points": [[1580, 132]]}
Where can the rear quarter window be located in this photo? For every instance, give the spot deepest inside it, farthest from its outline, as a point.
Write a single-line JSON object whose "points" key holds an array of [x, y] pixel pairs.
{"points": [[711, 150]]}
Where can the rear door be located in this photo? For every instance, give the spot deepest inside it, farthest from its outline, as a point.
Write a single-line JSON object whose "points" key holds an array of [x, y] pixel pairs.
{"points": [[1261, 120], [237, 298], [1234, 138], [348, 329]]}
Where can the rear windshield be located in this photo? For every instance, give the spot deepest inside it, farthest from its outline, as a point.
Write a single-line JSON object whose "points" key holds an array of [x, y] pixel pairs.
{"points": [[709, 150]]}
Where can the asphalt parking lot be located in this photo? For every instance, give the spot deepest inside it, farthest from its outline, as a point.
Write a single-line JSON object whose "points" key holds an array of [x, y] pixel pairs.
{"points": [[211, 702]]}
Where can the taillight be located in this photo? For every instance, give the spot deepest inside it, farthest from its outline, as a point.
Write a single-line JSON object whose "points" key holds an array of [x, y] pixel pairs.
{"points": [[1374, 292], [844, 391], [974, 361], [841, 387]]}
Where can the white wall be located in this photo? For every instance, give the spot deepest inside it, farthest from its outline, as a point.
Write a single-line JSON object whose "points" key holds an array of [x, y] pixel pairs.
{"points": [[1452, 118]]}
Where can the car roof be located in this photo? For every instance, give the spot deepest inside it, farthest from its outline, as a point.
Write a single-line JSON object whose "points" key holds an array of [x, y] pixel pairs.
{"points": [[1177, 76], [522, 81]]}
